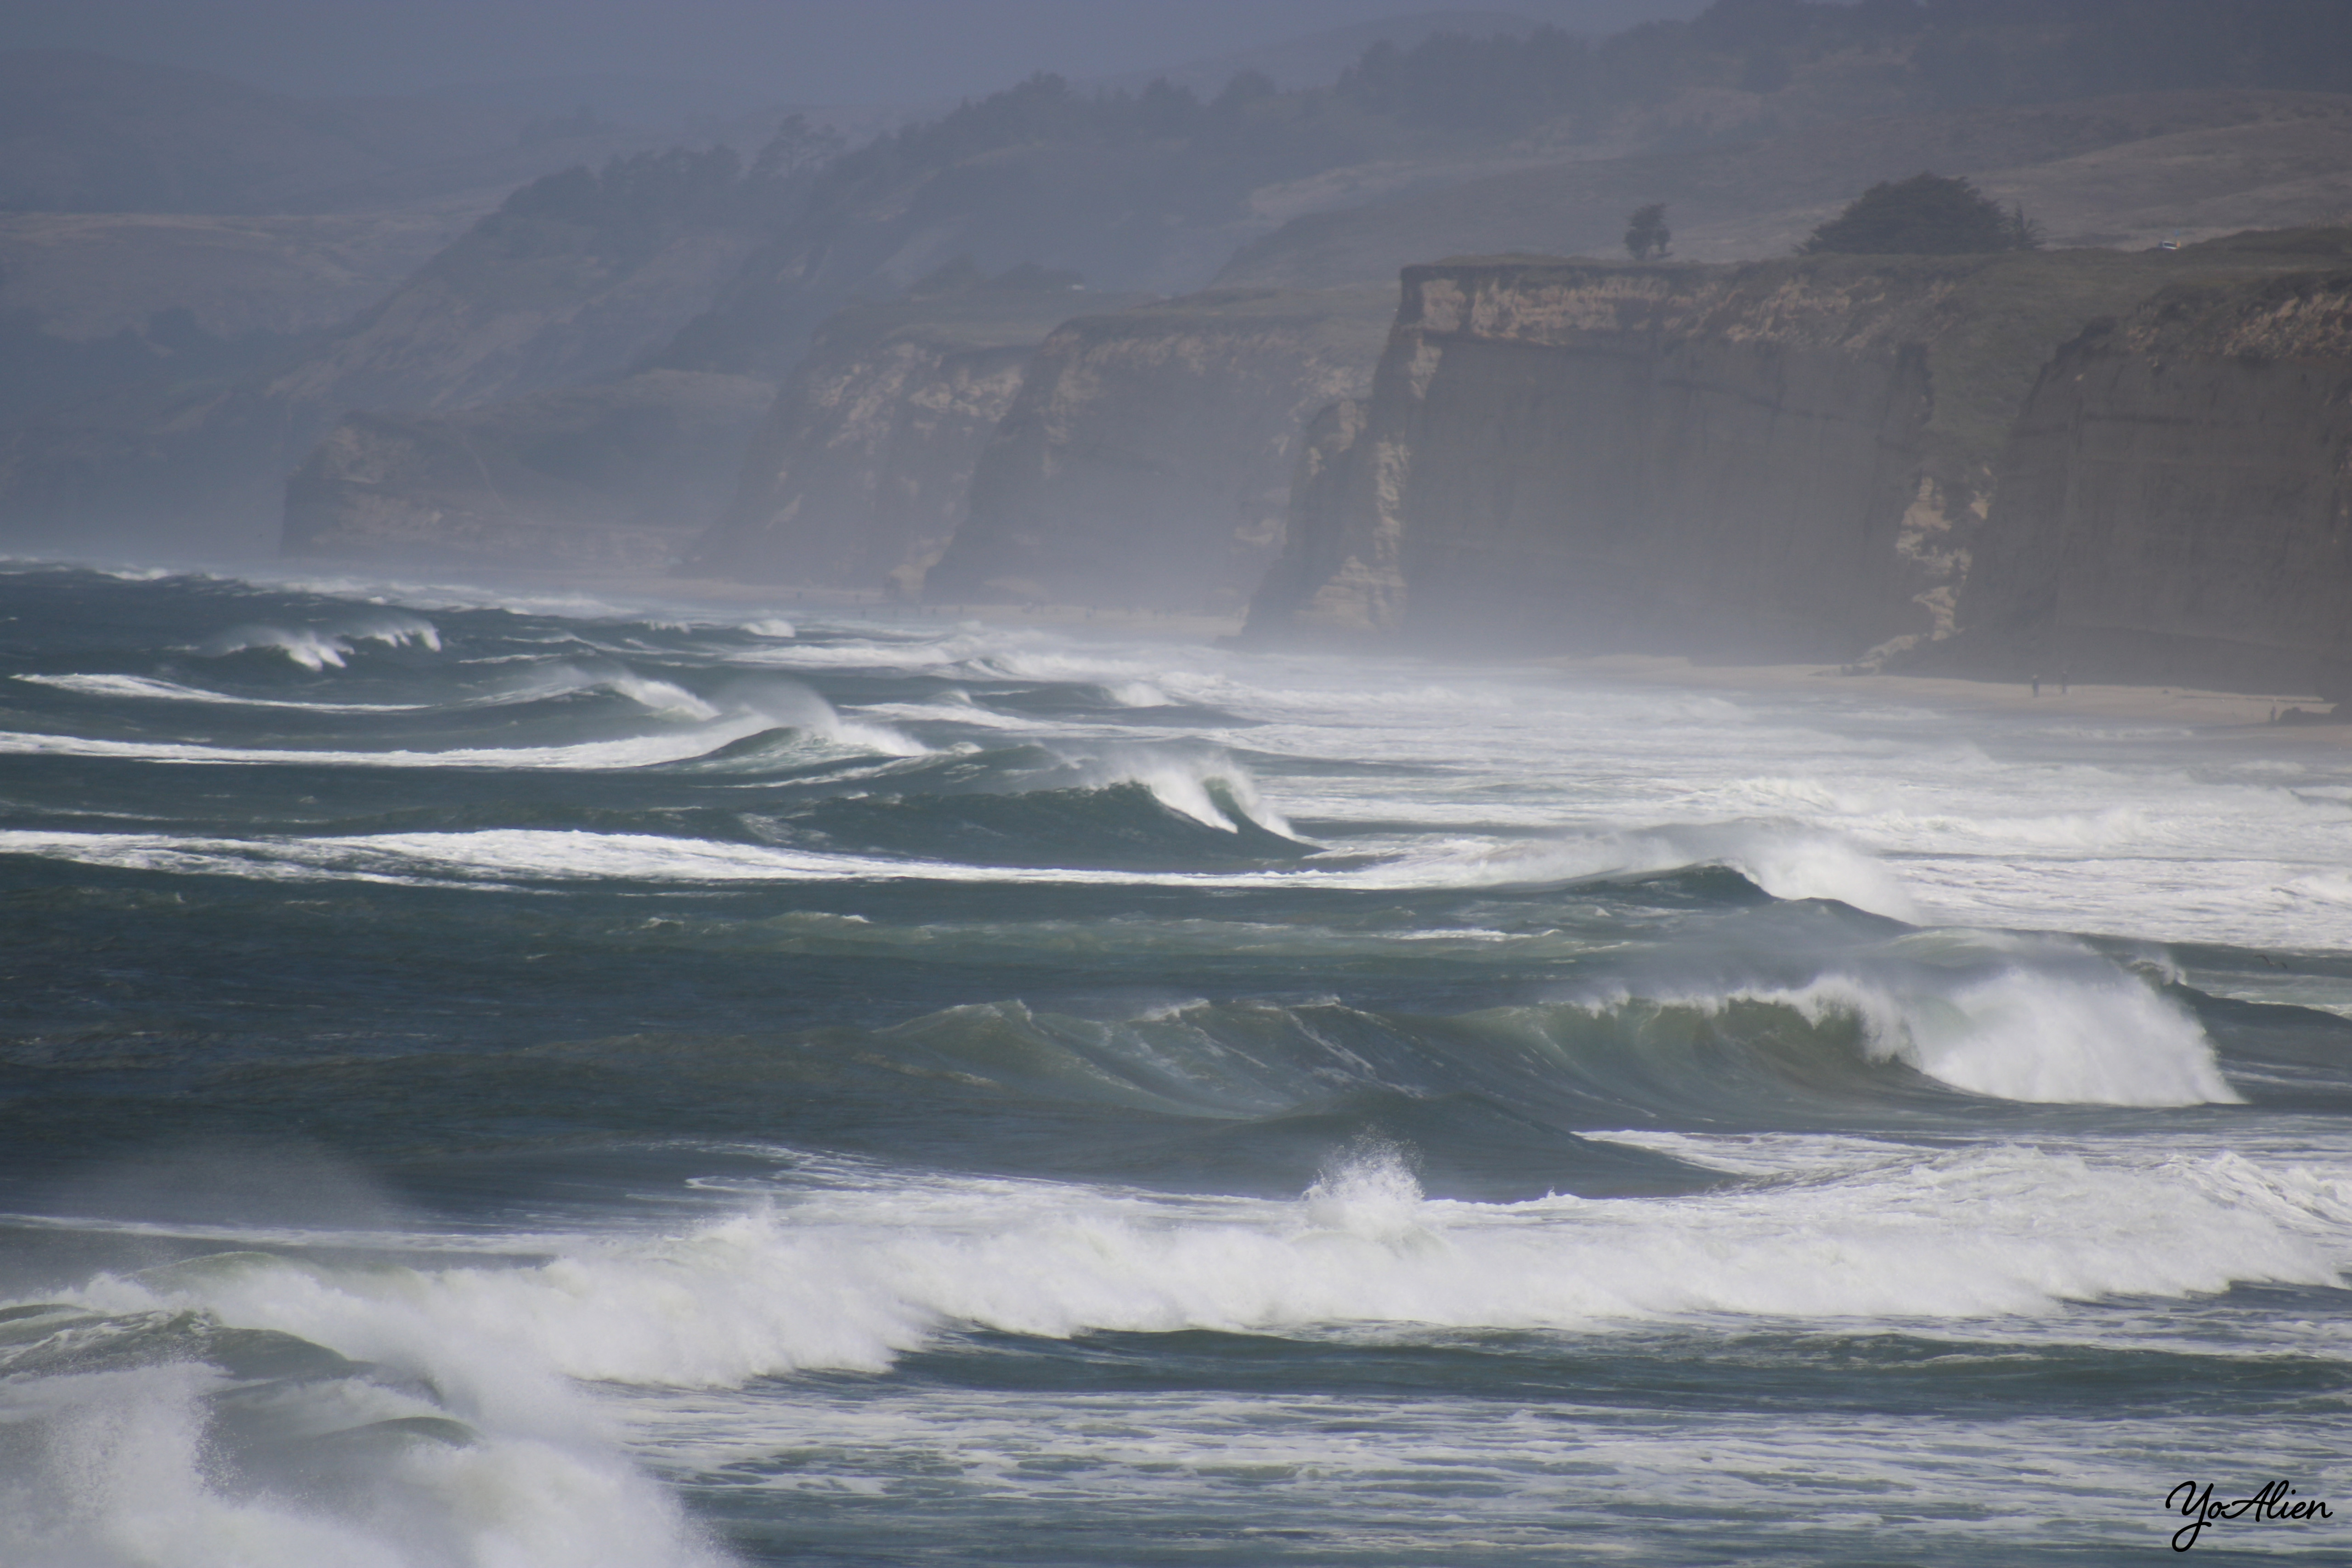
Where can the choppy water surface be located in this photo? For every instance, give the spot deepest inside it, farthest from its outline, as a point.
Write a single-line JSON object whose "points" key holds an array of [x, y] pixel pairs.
{"points": [[557, 1085]]}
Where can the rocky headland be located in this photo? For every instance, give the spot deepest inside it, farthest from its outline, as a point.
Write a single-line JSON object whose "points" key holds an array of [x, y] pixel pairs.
{"points": [[2175, 498], [862, 472], [1145, 460], [1845, 458]]}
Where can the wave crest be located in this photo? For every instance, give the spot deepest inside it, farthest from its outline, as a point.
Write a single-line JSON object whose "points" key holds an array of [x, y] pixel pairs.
{"points": [[318, 647]]}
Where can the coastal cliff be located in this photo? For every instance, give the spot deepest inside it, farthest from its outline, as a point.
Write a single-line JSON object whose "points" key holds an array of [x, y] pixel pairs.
{"points": [[2176, 501], [1146, 461], [1789, 458], [612, 476], [860, 474]]}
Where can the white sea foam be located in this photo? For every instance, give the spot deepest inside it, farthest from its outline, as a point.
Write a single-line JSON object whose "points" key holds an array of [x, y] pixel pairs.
{"points": [[316, 648], [635, 752], [1786, 859], [1185, 782], [665, 698], [124, 1475], [954, 705], [793, 704], [2027, 1035], [573, 853], [853, 1278], [145, 688]]}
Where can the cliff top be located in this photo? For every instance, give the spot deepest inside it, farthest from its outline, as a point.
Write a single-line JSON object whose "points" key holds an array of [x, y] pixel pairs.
{"points": [[982, 319], [1352, 321], [2302, 315]]}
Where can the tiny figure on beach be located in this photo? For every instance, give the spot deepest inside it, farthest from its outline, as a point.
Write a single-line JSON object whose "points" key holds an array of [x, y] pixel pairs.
{"points": [[2065, 680], [2037, 686]]}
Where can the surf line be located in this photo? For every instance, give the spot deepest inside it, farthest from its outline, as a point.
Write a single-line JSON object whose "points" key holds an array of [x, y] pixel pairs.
{"points": [[2268, 1504]]}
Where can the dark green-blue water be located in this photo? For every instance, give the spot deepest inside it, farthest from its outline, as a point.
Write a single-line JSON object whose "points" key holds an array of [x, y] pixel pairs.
{"points": [[557, 1082]]}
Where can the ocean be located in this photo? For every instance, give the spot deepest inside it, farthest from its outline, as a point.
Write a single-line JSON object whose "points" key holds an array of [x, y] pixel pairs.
{"points": [[517, 1081]]}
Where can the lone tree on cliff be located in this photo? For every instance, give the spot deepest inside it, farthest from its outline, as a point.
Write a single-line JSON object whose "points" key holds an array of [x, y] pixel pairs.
{"points": [[1646, 233], [1926, 215]]}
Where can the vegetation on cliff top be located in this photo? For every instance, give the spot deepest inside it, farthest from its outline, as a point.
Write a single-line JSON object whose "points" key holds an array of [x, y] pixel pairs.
{"points": [[1927, 214]]}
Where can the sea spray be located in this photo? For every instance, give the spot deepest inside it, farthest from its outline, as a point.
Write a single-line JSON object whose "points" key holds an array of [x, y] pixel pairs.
{"points": [[923, 1110]]}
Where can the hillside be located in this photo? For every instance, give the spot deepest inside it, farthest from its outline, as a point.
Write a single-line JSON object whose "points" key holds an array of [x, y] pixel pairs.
{"points": [[573, 278], [2124, 171]]}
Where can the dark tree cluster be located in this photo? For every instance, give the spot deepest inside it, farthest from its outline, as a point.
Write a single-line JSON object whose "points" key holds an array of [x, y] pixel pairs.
{"points": [[1927, 214], [1646, 234]]}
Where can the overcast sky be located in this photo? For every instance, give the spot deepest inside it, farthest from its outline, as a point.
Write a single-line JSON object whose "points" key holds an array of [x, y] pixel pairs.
{"points": [[822, 51]]}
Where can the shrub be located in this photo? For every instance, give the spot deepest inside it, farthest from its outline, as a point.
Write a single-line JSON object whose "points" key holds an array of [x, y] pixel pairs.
{"points": [[1927, 214]]}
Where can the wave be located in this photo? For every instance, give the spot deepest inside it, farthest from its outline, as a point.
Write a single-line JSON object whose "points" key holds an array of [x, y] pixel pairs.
{"points": [[171, 1435], [316, 648], [499, 856], [633, 752], [907, 832], [851, 1274], [147, 689], [2019, 1034], [1786, 859], [1838, 1048], [1117, 826], [664, 697], [356, 1405]]}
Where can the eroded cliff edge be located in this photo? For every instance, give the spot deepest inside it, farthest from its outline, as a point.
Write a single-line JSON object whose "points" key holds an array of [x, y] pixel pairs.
{"points": [[1788, 459], [860, 474], [1147, 460], [2176, 500]]}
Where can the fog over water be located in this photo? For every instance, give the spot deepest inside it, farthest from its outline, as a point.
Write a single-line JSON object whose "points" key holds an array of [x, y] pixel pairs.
{"points": [[548, 1081]]}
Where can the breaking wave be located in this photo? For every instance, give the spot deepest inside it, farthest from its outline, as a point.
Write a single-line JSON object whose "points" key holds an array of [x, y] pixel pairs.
{"points": [[316, 648]]}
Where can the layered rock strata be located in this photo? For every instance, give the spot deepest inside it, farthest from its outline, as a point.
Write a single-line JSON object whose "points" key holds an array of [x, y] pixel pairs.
{"points": [[1146, 462], [861, 473], [1777, 460], [2176, 501]]}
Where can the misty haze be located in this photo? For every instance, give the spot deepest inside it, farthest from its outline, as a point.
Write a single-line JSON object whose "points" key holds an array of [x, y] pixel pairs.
{"points": [[1092, 783]]}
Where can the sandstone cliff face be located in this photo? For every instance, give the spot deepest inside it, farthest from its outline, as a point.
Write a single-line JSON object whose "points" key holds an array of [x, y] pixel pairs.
{"points": [[2175, 503], [1592, 456], [617, 477], [1788, 459], [860, 475], [1146, 458]]}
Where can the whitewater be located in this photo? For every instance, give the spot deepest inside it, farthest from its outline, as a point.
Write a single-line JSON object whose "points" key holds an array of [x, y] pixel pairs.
{"points": [[495, 1081]]}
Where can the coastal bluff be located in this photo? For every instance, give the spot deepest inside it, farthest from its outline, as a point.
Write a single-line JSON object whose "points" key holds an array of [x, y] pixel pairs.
{"points": [[861, 472], [1923, 462], [2176, 500], [1146, 461], [1586, 455]]}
